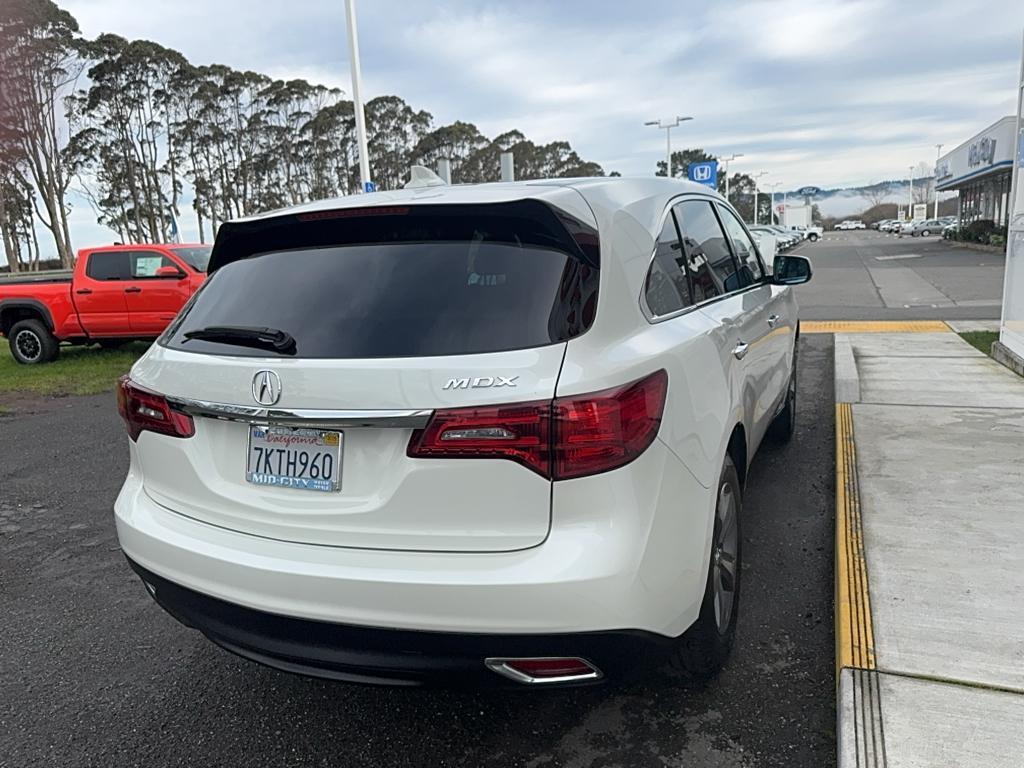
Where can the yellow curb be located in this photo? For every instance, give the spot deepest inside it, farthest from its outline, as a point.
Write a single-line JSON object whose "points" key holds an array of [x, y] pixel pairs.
{"points": [[874, 326], [855, 638]]}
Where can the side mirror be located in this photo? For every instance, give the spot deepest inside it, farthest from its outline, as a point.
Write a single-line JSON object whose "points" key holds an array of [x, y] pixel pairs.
{"points": [[170, 272], [791, 270]]}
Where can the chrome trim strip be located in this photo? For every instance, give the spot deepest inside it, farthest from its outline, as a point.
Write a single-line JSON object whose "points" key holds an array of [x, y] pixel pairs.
{"points": [[303, 417], [500, 665]]}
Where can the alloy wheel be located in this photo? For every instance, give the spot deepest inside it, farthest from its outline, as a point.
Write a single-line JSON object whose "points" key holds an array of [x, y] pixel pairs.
{"points": [[29, 345], [724, 555]]}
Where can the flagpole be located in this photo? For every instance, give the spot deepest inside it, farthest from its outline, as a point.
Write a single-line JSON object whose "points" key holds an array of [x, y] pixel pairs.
{"points": [[357, 99]]}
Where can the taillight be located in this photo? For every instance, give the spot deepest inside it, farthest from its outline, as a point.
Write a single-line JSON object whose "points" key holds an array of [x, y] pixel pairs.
{"points": [[143, 411], [520, 432], [607, 429], [569, 437]]}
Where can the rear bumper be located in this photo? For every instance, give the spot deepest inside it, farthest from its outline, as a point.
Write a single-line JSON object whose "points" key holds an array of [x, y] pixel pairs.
{"points": [[620, 575], [390, 656]]}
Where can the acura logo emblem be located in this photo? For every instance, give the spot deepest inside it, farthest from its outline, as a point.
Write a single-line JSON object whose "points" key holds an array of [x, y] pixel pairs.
{"points": [[266, 388]]}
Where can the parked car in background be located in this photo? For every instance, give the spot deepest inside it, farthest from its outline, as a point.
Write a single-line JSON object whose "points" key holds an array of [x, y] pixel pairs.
{"points": [[115, 293], [812, 233], [926, 228], [783, 240], [851, 224], [467, 437], [880, 225], [794, 238]]}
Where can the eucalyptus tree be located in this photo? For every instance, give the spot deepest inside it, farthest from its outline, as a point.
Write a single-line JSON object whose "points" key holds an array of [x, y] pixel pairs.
{"points": [[457, 142], [39, 62], [331, 153], [393, 130], [124, 121]]}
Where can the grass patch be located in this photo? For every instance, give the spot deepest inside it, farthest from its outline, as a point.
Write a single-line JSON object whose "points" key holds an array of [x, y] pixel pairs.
{"points": [[78, 371], [981, 340]]}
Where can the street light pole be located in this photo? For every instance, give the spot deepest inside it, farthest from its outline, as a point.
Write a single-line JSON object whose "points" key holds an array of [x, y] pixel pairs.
{"points": [[756, 177], [938, 154], [771, 214], [357, 98], [911, 208], [726, 161], [668, 139]]}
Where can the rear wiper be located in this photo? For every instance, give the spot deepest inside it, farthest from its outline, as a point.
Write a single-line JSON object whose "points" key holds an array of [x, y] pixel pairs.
{"points": [[246, 336]]}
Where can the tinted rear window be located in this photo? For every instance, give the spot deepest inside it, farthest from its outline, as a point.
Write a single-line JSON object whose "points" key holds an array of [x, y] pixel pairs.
{"points": [[500, 285], [107, 266]]}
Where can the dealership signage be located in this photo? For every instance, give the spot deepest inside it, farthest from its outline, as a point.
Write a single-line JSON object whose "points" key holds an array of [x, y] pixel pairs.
{"points": [[982, 152], [704, 173], [993, 147], [809, 191]]}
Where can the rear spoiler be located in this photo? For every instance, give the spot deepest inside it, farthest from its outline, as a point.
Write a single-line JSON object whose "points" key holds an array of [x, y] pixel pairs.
{"points": [[549, 227]]}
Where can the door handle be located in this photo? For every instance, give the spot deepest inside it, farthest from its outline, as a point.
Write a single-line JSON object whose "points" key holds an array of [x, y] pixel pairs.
{"points": [[133, 290], [84, 291], [740, 350], [773, 320]]}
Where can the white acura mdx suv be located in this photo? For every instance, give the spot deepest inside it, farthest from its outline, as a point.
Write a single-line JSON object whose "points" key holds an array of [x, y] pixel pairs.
{"points": [[491, 433]]}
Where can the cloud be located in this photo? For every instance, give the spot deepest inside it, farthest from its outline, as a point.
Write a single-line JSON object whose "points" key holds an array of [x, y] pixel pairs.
{"points": [[829, 93]]}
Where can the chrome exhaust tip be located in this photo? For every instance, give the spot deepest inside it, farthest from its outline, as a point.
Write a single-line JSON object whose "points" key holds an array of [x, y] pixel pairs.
{"points": [[544, 669]]}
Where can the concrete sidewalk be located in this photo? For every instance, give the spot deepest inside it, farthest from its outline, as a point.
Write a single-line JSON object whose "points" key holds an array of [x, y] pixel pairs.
{"points": [[929, 553]]}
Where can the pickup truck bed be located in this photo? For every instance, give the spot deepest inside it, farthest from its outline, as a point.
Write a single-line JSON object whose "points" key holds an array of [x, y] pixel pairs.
{"points": [[50, 276]]}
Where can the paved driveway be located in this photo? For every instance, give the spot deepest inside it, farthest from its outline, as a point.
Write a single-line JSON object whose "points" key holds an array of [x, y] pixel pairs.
{"points": [[92, 673], [873, 276]]}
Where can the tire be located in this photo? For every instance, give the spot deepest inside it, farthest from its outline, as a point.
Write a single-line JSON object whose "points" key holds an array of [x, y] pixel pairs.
{"points": [[926, 232], [705, 647], [784, 424], [32, 343], [813, 238]]}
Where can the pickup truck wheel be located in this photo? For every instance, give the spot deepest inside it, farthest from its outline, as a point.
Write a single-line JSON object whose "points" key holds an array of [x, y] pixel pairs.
{"points": [[32, 343], [704, 648], [813, 237]]}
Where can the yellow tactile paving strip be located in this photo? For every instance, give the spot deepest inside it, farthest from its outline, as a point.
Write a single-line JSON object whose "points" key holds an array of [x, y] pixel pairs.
{"points": [[874, 326], [855, 641]]}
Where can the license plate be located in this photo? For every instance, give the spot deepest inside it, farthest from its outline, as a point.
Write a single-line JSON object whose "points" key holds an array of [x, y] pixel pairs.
{"points": [[288, 457]]}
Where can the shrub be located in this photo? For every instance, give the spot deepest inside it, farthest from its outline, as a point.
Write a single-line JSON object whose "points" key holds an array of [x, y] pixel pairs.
{"points": [[979, 231]]}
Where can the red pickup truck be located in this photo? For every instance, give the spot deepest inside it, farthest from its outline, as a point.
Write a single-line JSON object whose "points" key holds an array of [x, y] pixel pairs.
{"points": [[114, 294]]}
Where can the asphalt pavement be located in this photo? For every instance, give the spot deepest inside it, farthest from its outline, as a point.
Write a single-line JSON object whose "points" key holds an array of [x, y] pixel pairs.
{"points": [[93, 673], [868, 275]]}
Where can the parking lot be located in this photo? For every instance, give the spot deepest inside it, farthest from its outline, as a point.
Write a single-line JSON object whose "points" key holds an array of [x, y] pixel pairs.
{"points": [[868, 275], [95, 674]]}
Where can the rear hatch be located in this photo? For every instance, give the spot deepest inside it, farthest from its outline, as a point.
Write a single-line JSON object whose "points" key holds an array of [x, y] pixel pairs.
{"points": [[373, 320]]}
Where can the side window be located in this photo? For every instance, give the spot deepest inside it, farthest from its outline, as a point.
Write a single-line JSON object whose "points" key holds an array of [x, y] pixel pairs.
{"points": [[666, 289], [107, 266], [708, 259], [750, 270], [145, 263]]}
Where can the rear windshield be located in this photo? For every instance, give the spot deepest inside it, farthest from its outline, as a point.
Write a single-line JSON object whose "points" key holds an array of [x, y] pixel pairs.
{"points": [[485, 284], [196, 256]]}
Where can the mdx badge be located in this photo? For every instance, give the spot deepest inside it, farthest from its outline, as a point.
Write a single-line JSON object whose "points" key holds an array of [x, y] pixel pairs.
{"points": [[481, 382], [266, 388]]}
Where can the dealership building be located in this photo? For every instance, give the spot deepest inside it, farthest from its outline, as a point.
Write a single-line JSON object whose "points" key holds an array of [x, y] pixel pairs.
{"points": [[980, 170]]}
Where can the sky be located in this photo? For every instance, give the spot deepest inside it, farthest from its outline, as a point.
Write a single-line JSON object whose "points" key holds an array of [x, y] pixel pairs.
{"points": [[829, 93]]}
